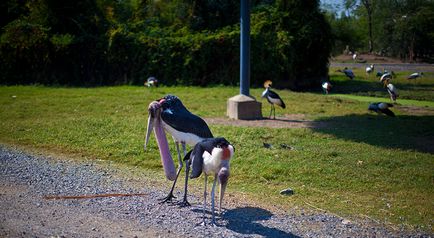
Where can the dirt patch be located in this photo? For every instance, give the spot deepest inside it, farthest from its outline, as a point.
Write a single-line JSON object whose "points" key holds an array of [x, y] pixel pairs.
{"points": [[287, 121], [416, 111], [363, 58]]}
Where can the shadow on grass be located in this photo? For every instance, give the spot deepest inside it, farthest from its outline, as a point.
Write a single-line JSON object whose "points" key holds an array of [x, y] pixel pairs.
{"points": [[243, 220], [401, 132]]}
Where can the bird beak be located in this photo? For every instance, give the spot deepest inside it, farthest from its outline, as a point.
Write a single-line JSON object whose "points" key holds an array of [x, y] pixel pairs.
{"points": [[221, 195], [149, 130]]}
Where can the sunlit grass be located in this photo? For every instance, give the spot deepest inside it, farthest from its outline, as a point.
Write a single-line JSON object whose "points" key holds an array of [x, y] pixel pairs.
{"points": [[360, 165]]}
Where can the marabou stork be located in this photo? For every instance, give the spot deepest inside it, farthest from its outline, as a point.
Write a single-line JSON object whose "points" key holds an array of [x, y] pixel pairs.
{"points": [[392, 92], [272, 98], [348, 72], [151, 82], [170, 114], [381, 107], [415, 75], [369, 70], [326, 87], [212, 157]]}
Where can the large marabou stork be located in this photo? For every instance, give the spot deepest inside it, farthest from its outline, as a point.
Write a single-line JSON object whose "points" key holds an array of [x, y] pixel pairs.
{"points": [[392, 92], [170, 114], [272, 98], [212, 157], [381, 107]]}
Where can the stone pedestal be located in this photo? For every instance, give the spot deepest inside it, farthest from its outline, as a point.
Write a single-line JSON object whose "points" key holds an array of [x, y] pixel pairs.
{"points": [[242, 107]]}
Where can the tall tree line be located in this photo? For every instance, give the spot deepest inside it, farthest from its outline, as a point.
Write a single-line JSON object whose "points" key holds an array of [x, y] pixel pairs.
{"points": [[399, 28], [190, 42]]}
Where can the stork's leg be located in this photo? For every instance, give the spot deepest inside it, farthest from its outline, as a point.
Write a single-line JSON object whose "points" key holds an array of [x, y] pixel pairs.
{"points": [[184, 202], [204, 201], [213, 200], [274, 112], [180, 165]]}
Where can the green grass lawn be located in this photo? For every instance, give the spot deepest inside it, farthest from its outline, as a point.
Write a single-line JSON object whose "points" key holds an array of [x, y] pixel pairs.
{"points": [[360, 165]]}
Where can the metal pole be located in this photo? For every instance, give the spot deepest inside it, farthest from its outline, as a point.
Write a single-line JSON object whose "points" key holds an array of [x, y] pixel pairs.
{"points": [[245, 48]]}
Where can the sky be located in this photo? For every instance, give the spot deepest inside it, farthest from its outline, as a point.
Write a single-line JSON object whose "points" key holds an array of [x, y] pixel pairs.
{"points": [[335, 4]]}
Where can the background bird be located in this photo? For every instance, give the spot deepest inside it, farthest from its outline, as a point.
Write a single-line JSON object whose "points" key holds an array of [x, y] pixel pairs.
{"points": [[385, 78], [393, 92], [348, 72], [272, 98], [415, 75], [326, 87], [151, 82], [381, 107], [212, 157], [170, 114], [369, 70]]}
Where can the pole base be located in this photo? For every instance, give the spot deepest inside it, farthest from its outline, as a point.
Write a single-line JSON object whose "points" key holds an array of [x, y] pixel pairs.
{"points": [[242, 107]]}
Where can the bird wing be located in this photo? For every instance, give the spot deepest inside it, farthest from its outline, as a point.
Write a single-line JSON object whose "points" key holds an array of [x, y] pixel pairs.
{"points": [[197, 156], [185, 121], [388, 112], [274, 95]]}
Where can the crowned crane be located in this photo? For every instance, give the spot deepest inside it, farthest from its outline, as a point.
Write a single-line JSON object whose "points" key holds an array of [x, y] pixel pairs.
{"points": [[212, 157], [385, 78], [152, 82], [348, 72], [392, 92], [369, 70], [381, 107], [326, 87], [415, 75], [170, 114], [272, 98]]}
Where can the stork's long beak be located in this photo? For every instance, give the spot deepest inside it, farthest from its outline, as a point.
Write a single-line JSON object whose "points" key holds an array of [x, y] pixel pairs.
{"points": [[221, 195], [149, 130]]}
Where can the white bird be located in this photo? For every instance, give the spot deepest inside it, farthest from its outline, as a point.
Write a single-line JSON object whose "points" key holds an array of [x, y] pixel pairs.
{"points": [[415, 75], [151, 82], [370, 69], [355, 56], [212, 157], [393, 92], [326, 87]]}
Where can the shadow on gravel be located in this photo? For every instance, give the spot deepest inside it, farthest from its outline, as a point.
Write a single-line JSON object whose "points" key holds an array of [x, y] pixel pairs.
{"points": [[401, 132], [244, 220]]}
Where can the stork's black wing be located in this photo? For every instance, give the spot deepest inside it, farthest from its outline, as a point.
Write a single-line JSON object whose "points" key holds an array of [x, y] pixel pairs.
{"points": [[388, 112], [185, 121]]}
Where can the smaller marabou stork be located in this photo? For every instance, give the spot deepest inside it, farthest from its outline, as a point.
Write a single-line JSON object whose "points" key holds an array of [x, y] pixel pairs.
{"points": [[392, 92], [151, 82], [415, 75], [381, 107], [348, 72], [272, 98], [326, 87], [369, 70], [212, 157]]}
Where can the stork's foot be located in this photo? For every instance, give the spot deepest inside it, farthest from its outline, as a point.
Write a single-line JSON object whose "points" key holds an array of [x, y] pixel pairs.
{"points": [[168, 198], [184, 203]]}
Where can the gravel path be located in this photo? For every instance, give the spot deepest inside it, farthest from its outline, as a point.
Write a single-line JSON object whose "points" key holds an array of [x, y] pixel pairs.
{"points": [[24, 212]]}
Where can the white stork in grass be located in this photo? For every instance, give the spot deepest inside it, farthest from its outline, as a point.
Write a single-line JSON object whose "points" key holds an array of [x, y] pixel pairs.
{"points": [[212, 157], [272, 97], [381, 107], [392, 92], [415, 75]]}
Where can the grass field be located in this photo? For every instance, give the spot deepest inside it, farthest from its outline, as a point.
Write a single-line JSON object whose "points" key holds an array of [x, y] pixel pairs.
{"points": [[361, 165]]}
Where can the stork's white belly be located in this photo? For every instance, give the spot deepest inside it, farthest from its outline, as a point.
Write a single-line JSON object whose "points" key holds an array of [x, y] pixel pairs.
{"points": [[179, 136], [274, 100]]}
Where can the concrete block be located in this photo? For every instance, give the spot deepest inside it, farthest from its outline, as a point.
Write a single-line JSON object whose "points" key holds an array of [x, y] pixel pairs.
{"points": [[242, 107]]}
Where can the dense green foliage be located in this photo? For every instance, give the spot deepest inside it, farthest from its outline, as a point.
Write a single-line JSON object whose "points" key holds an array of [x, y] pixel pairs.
{"points": [[105, 42], [402, 29]]}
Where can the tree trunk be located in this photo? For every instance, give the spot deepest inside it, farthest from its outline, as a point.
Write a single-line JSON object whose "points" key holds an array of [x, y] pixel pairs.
{"points": [[368, 7]]}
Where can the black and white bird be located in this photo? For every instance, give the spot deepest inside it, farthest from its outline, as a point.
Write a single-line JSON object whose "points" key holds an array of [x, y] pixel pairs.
{"points": [[151, 82], [415, 75], [212, 157], [381, 107], [393, 92], [272, 98], [385, 78], [169, 114], [369, 70], [326, 87], [348, 72]]}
